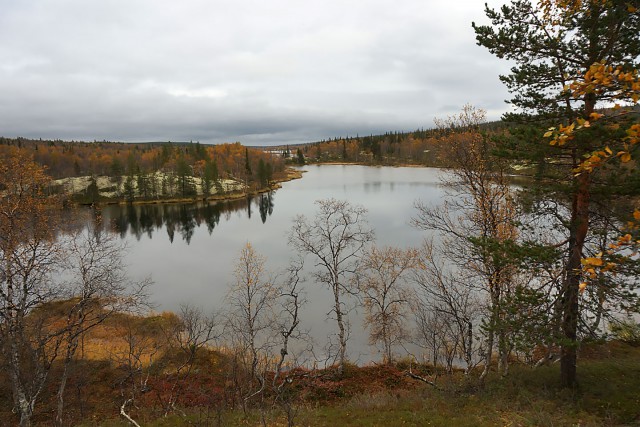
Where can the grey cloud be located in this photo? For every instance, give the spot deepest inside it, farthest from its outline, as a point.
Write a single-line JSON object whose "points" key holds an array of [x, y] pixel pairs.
{"points": [[258, 72]]}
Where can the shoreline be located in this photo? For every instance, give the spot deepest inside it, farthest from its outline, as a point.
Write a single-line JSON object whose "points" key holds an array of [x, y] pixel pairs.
{"points": [[291, 174], [395, 165]]}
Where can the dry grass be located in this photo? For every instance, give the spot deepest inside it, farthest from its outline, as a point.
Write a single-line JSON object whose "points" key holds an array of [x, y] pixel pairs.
{"points": [[381, 395]]}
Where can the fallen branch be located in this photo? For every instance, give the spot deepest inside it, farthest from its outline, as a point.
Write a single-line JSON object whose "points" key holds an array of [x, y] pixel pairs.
{"points": [[547, 360], [124, 413], [423, 379]]}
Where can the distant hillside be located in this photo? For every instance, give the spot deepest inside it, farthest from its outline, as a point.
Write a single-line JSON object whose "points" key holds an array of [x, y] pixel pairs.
{"points": [[418, 147]]}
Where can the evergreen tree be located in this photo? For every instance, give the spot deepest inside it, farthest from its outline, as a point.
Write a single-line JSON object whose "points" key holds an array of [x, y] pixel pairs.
{"points": [[216, 177], [144, 187], [133, 168], [116, 168], [167, 151], [552, 46], [262, 174], [92, 192], [269, 173], [207, 179], [183, 171], [129, 188], [200, 152], [247, 164]]}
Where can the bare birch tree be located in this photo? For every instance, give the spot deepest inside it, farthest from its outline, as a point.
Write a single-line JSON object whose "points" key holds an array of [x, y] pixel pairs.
{"points": [[98, 288], [428, 331], [192, 332], [29, 255], [336, 239], [135, 357], [42, 318], [290, 301], [382, 283], [250, 321], [453, 306], [477, 221]]}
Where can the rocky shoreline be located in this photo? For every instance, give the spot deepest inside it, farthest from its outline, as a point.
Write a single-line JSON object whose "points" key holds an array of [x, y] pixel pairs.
{"points": [[112, 191]]}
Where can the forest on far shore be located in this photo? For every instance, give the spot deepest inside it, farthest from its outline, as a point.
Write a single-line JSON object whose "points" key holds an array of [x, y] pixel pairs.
{"points": [[116, 171], [103, 171]]}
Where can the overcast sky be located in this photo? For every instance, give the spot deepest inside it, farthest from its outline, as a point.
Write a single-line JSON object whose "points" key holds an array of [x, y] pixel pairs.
{"points": [[261, 72]]}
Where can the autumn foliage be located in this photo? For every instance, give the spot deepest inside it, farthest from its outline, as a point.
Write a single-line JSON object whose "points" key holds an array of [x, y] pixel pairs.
{"points": [[63, 159]]}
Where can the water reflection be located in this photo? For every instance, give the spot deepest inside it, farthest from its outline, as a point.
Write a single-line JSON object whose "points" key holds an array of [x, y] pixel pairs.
{"points": [[266, 206], [189, 249], [181, 219], [372, 187]]}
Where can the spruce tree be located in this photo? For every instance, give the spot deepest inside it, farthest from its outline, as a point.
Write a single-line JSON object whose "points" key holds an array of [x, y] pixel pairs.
{"points": [[247, 164], [262, 174], [300, 157]]}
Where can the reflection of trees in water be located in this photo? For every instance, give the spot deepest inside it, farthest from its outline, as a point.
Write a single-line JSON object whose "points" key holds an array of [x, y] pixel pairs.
{"points": [[120, 224], [146, 220], [266, 205], [212, 216], [187, 223], [182, 219]]}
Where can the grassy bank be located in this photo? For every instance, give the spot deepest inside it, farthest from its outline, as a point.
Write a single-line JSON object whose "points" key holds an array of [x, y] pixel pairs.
{"points": [[131, 356], [608, 395]]}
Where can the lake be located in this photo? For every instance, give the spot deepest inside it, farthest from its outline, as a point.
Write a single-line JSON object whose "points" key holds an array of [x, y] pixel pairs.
{"points": [[189, 249]]}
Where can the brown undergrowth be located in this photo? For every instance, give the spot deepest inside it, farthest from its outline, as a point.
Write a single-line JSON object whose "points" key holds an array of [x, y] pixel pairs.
{"points": [[103, 377]]}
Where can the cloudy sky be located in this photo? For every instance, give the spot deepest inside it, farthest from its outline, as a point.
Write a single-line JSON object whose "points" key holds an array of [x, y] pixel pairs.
{"points": [[257, 71]]}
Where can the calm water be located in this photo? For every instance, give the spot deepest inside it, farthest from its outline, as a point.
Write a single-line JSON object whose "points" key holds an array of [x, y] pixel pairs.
{"points": [[189, 249]]}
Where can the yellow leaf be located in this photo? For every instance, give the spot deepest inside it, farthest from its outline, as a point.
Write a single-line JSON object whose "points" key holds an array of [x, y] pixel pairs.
{"points": [[626, 239], [624, 158], [608, 150], [611, 266], [548, 134], [636, 214], [582, 286], [592, 261]]}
